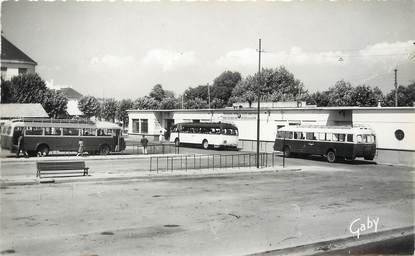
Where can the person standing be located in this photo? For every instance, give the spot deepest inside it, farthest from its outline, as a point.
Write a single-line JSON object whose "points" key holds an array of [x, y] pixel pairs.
{"points": [[20, 145], [80, 148], [144, 143]]}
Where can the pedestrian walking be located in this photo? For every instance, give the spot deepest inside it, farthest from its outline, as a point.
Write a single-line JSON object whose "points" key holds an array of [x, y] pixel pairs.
{"points": [[144, 143], [20, 145], [80, 148]]}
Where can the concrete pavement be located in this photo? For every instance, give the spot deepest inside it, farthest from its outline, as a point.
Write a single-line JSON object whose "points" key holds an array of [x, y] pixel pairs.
{"points": [[223, 214]]}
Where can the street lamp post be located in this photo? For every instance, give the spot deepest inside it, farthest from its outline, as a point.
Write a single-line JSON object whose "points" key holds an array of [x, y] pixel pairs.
{"points": [[258, 96]]}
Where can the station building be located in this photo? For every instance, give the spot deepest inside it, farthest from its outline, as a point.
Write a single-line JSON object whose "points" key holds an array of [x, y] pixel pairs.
{"points": [[394, 126]]}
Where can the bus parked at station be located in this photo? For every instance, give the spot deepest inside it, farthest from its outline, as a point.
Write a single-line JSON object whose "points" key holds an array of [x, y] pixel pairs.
{"points": [[45, 135], [334, 142], [207, 135]]}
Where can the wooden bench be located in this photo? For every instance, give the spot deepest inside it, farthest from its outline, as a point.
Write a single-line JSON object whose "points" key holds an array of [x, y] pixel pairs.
{"points": [[49, 169]]}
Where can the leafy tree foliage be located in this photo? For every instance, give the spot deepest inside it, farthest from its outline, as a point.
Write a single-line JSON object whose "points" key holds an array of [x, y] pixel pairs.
{"points": [[109, 109], [6, 92], [146, 102], [200, 92], [222, 88], [276, 85], [90, 106], [30, 88], [406, 96], [341, 94], [55, 104], [321, 99], [365, 96], [196, 103], [169, 103], [122, 108]]}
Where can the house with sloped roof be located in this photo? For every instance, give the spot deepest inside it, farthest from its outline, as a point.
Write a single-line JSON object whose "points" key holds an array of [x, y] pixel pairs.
{"points": [[14, 61], [73, 97]]}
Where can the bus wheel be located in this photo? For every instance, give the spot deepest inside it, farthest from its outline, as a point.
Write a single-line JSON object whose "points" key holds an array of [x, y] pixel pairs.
{"points": [[287, 151], [177, 142], [43, 150], [104, 150], [369, 157], [331, 156], [205, 144]]}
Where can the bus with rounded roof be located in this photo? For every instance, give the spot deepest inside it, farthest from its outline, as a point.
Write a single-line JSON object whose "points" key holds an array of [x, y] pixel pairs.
{"points": [[41, 136], [333, 142], [207, 135]]}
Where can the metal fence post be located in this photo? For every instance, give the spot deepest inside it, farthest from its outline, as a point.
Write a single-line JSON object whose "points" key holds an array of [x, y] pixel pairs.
{"points": [[167, 163], [194, 161], [213, 162], [151, 158], [220, 161], [157, 168], [232, 161], [186, 163]]}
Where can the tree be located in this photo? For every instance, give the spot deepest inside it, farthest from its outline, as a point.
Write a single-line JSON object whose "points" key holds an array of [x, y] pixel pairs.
{"points": [[158, 93], [109, 109], [122, 108], [223, 86], [276, 85], [55, 104], [321, 99], [89, 105], [340, 94], [365, 96], [406, 96], [146, 102], [196, 103], [169, 103], [200, 92], [6, 92], [28, 88]]}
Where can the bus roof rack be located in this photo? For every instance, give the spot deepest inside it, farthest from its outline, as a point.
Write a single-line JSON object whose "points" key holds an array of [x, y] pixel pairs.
{"points": [[55, 121]]}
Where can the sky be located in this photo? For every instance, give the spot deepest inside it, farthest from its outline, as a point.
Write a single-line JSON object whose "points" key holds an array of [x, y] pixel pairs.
{"points": [[122, 49]]}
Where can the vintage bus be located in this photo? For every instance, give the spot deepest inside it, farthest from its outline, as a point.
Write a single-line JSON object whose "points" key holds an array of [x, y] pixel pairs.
{"points": [[334, 142], [45, 135], [207, 135]]}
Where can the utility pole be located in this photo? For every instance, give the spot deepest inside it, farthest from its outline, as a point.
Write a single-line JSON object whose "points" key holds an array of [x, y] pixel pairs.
{"points": [[259, 96], [208, 94], [396, 87]]}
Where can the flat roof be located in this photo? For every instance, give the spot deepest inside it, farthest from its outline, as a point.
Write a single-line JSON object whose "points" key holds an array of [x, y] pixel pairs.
{"points": [[271, 109]]}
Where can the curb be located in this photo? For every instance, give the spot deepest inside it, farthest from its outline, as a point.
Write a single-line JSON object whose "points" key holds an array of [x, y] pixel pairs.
{"points": [[337, 246], [149, 176]]}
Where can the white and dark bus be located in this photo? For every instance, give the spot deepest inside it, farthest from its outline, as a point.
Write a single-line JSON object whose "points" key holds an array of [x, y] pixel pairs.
{"points": [[44, 135], [216, 135], [334, 142]]}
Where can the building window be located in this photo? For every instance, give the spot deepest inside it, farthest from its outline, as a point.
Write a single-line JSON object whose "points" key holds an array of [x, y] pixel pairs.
{"points": [[22, 71], [399, 134], [136, 125], [144, 125]]}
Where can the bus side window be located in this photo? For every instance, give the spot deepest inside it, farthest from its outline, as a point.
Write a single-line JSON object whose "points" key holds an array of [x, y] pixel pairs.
{"points": [[359, 138], [309, 135], [342, 137], [329, 136], [34, 130], [322, 136], [289, 135], [335, 137], [349, 137], [70, 131]]}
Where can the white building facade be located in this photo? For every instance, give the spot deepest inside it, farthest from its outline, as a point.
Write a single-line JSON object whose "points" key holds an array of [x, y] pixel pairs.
{"points": [[389, 123]]}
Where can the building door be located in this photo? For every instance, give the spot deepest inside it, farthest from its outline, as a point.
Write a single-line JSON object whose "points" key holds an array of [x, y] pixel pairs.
{"points": [[169, 124]]}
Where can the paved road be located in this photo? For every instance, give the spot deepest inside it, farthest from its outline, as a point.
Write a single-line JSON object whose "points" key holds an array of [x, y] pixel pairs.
{"points": [[23, 167], [230, 215]]}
